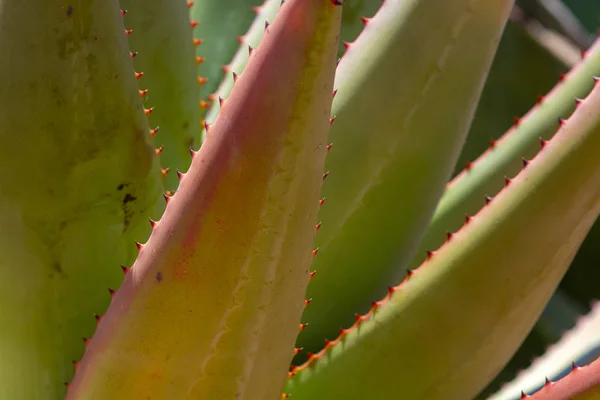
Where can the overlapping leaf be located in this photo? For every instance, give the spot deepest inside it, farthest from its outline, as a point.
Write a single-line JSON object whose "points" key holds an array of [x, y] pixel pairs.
{"points": [[212, 305], [78, 177]]}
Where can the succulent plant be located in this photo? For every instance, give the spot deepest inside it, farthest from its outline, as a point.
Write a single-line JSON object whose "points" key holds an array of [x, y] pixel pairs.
{"points": [[308, 236]]}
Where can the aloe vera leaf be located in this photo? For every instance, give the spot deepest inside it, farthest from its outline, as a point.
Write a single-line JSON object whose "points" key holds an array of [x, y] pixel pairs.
{"points": [[456, 320], [219, 23], [484, 176], [163, 43], [395, 143], [212, 305], [264, 14], [580, 281], [351, 27], [582, 383], [580, 345], [79, 179], [355, 12], [560, 315], [522, 70]]}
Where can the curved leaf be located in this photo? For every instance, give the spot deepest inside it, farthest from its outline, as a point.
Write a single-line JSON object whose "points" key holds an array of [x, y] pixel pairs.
{"points": [[452, 325], [212, 305], [395, 143], [79, 175]]}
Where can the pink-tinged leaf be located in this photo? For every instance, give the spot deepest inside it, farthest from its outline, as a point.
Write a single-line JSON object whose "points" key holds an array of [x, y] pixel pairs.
{"points": [[212, 306]]}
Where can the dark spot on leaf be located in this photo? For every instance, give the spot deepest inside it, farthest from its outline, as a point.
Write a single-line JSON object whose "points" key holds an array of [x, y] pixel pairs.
{"points": [[69, 10], [128, 213], [159, 276], [57, 267], [128, 198]]}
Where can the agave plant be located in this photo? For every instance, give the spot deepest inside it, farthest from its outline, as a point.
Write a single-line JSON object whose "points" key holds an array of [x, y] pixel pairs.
{"points": [[304, 240]]}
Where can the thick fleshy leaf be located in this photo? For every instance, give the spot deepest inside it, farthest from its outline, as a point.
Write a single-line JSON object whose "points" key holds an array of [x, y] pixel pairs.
{"points": [[212, 305], [78, 178], [264, 15], [580, 384], [521, 72], [451, 326], [219, 24], [352, 25], [162, 42], [483, 177], [354, 17], [560, 315], [402, 111], [580, 346]]}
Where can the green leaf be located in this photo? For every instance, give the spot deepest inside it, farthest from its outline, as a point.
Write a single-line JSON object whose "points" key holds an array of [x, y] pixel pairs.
{"points": [[522, 71], [408, 88], [163, 43], [219, 23], [451, 326], [484, 177], [78, 177], [264, 14], [212, 305], [581, 345]]}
